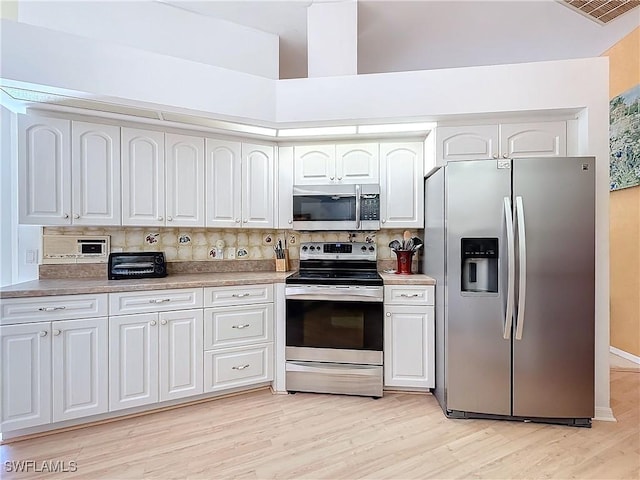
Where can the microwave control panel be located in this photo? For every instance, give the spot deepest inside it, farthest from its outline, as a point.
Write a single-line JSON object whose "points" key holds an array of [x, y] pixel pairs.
{"points": [[370, 208]]}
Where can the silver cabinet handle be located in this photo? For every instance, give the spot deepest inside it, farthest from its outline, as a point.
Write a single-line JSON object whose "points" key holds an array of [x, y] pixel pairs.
{"points": [[57, 332], [76, 216], [331, 178], [245, 220], [43, 333], [159, 300], [237, 220], [240, 295], [383, 220], [495, 156], [160, 218], [169, 219], [511, 269], [163, 322], [240, 367], [410, 296], [522, 257], [66, 215], [152, 323], [504, 155], [388, 314], [240, 327], [51, 309], [339, 178], [290, 222]]}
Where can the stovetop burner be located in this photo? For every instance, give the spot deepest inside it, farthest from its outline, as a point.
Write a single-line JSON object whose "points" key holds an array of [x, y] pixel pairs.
{"points": [[337, 264]]}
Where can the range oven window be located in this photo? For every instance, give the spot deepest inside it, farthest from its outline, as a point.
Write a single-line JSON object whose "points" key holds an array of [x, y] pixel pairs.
{"points": [[342, 325], [324, 208]]}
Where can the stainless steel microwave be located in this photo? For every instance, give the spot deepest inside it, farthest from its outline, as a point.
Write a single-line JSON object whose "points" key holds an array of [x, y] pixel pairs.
{"points": [[336, 207]]}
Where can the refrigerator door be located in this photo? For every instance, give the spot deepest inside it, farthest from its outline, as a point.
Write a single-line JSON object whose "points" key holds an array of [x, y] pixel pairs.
{"points": [[553, 349], [478, 356]]}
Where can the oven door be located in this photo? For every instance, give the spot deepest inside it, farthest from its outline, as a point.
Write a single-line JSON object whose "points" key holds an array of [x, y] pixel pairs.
{"points": [[334, 331]]}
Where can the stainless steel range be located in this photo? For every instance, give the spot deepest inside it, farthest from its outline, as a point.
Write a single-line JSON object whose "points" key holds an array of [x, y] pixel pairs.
{"points": [[334, 321]]}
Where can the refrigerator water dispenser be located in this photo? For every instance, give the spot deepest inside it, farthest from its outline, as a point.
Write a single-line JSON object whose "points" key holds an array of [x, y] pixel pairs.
{"points": [[479, 265]]}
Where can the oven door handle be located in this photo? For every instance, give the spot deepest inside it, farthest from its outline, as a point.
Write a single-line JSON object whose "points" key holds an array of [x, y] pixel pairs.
{"points": [[373, 297], [332, 369]]}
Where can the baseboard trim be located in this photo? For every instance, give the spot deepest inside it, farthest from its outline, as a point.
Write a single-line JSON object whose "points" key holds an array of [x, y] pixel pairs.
{"points": [[626, 355], [604, 414]]}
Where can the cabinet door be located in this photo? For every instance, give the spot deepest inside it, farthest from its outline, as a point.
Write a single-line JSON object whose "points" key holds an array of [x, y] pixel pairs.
{"points": [[133, 360], [477, 142], [180, 354], [184, 180], [80, 368], [257, 186], [357, 163], [284, 204], [44, 170], [223, 183], [142, 177], [25, 351], [95, 153], [543, 139], [409, 355], [314, 165], [401, 185]]}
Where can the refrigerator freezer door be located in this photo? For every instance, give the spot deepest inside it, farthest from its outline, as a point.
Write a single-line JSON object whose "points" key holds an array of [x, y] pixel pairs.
{"points": [[553, 362], [478, 357]]}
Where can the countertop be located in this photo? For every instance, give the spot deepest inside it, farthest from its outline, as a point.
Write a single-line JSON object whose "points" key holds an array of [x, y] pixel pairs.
{"points": [[412, 279], [39, 288]]}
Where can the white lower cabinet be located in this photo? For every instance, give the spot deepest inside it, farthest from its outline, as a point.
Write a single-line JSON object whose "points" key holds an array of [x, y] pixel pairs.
{"points": [[53, 371], [409, 337], [154, 357], [238, 336]]}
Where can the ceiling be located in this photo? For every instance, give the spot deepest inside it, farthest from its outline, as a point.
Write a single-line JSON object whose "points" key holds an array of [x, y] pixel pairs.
{"points": [[397, 35]]}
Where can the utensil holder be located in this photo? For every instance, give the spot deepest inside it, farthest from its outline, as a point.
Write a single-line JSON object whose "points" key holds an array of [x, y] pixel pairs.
{"points": [[282, 264], [404, 261]]}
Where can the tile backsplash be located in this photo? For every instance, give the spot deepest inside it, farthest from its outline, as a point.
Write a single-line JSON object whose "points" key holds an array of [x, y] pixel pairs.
{"points": [[209, 244]]}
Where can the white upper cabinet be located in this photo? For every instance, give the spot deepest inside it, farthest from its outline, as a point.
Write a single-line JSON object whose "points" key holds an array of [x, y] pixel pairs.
{"points": [[44, 170], [508, 140], [314, 165], [143, 191], [257, 186], [543, 139], [341, 163], [184, 172], [223, 184], [357, 163], [285, 188], [69, 172], [95, 154], [402, 185], [467, 143], [240, 184]]}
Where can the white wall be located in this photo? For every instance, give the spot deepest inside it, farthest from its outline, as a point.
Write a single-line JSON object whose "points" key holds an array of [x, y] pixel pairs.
{"points": [[33, 57], [160, 28], [332, 38]]}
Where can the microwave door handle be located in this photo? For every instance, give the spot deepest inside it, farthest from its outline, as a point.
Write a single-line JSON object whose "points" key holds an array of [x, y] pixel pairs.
{"points": [[357, 207]]}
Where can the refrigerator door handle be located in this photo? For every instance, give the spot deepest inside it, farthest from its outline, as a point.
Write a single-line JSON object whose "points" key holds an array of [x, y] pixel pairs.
{"points": [[511, 269], [522, 251]]}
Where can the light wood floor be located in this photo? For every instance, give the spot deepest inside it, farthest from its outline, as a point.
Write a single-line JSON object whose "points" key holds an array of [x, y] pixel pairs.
{"points": [[260, 435]]}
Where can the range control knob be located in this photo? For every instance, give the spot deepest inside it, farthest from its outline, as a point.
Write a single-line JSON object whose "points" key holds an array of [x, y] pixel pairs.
{"points": [[312, 248], [371, 248], [363, 248], [305, 248]]}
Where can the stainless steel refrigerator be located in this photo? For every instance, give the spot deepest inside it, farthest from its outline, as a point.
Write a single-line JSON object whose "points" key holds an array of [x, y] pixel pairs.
{"points": [[511, 244]]}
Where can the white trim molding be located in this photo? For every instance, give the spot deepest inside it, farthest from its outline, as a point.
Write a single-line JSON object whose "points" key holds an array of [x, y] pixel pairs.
{"points": [[604, 414], [626, 355]]}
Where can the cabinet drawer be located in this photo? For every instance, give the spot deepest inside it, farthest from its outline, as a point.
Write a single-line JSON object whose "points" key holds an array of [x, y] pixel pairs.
{"points": [[60, 307], [409, 294], [233, 326], [229, 368], [237, 295], [154, 301]]}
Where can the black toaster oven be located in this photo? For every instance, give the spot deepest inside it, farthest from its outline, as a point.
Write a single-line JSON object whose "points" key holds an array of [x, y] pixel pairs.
{"points": [[125, 265]]}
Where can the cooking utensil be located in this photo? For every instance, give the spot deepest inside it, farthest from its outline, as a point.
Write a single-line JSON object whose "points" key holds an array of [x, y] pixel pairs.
{"points": [[395, 245]]}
